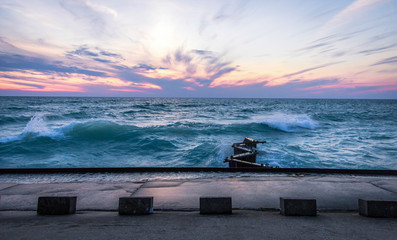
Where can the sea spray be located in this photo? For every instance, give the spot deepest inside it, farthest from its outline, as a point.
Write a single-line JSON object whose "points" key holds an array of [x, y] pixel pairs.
{"points": [[289, 122]]}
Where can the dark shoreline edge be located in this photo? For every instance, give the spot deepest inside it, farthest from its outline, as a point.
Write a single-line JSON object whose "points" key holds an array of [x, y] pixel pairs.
{"points": [[196, 169]]}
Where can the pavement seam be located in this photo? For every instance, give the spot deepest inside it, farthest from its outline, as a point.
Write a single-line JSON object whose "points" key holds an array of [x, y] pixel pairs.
{"points": [[136, 190], [9, 187], [388, 190]]}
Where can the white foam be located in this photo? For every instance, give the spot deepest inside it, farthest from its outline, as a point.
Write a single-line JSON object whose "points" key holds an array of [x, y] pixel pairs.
{"points": [[289, 122], [37, 127]]}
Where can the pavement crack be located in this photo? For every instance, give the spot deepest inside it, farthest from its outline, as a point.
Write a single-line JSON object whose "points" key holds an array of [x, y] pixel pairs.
{"points": [[383, 188], [6, 188], [136, 190]]}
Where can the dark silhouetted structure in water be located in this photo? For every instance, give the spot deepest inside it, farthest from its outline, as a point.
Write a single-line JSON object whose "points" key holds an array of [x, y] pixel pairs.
{"points": [[245, 154]]}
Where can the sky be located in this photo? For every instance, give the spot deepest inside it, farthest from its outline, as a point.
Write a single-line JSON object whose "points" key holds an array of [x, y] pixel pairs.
{"points": [[189, 48]]}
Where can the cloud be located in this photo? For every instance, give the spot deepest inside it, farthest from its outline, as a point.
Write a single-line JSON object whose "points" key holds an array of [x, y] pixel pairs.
{"points": [[30, 85], [82, 8], [388, 71], [202, 52], [307, 70], [309, 84], [37, 82], [377, 50], [390, 60], [26, 73], [101, 8], [189, 88], [231, 11], [102, 60], [72, 82], [180, 56], [11, 62], [96, 54], [144, 67], [4, 43], [332, 44], [82, 51], [383, 36], [222, 72], [222, 13], [315, 46], [200, 67], [109, 54], [213, 63], [350, 12], [363, 88], [96, 15], [126, 90], [333, 88]]}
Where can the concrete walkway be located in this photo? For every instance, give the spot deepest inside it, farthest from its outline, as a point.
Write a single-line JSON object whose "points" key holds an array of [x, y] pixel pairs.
{"points": [[242, 224], [97, 205], [333, 193]]}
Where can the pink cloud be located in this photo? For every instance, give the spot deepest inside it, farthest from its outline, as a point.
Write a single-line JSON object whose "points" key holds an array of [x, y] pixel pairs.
{"points": [[126, 90], [189, 88]]}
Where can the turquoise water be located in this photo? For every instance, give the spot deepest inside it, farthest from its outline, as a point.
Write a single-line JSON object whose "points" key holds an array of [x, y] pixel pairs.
{"points": [[177, 132]]}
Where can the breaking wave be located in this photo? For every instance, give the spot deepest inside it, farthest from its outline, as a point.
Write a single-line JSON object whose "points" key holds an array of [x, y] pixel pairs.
{"points": [[106, 132], [96, 130], [290, 122]]}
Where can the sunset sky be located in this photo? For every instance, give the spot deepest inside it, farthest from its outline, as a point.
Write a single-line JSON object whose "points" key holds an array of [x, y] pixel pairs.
{"points": [[164, 48]]}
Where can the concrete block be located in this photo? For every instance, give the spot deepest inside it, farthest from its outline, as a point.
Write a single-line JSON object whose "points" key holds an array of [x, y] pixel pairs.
{"points": [[377, 208], [56, 205], [215, 205], [135, 205], [298, 207]]}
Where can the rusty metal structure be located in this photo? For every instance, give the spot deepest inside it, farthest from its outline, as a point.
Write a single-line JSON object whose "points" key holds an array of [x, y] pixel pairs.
{"points": [[245, 154]]}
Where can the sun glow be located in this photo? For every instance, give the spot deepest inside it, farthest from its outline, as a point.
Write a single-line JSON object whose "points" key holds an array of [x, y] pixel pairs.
{"points": [[162, 38], [169, 48]]}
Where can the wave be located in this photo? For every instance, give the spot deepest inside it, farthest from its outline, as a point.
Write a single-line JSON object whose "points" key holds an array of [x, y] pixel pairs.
{"points": [[89, 130], [279, 121], [5, 120], [100, 130], [195, 132], [289, 122]]}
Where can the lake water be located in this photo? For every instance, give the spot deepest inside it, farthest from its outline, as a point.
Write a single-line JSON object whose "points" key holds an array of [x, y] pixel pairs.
{"points": [[43, 132]]}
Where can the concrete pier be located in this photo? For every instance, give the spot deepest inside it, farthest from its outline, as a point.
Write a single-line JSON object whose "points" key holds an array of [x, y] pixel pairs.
{"points": [[256, 203], [333, 193]]}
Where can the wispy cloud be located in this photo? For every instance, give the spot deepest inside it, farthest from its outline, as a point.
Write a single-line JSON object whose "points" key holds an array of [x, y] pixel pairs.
{"points": [[36, 86], [231, 10], [189, 88], [197, 66], [377, 50], [167, 49], [96, 54], [308, 85], [390, 60], [307, 70], [12, 62], [349, 13], [73, 82], [96, 15]]}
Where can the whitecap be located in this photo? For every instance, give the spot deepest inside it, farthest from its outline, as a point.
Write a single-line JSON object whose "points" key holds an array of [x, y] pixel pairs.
{"points": [[289, 122]]}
